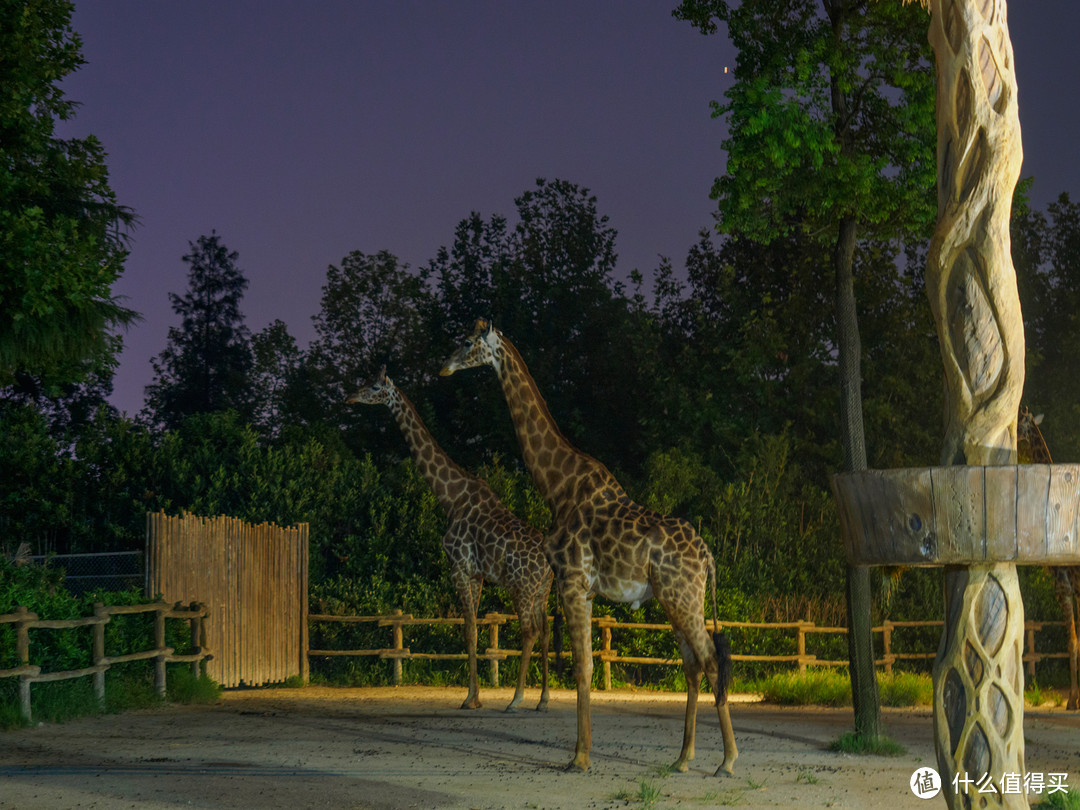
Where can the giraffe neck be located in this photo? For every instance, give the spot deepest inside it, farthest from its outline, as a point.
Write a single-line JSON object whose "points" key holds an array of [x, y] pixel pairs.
{"points": [[557, 467], [446, 479]]}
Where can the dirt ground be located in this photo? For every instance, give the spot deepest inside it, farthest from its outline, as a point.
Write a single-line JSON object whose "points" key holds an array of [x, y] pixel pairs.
{"points": [[411, 747]]}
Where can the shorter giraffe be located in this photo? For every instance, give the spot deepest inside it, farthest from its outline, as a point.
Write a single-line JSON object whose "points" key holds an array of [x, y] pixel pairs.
{"points": [[485, 540], [604, 543], [1031, 449]]}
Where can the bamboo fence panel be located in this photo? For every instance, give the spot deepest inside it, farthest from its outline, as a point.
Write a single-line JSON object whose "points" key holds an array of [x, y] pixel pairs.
{"points": [[606, 655], [28, 673], [254, 580]]}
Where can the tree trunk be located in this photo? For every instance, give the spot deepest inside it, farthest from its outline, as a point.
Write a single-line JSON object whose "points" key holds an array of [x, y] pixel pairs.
{"points": [[864, 688]]}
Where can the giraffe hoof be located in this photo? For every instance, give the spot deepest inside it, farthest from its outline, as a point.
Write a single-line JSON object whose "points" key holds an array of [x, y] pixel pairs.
{"points": [[579, 762], [542, 706], [471, 703], [726, 769], [511, 709], [681, 765]]}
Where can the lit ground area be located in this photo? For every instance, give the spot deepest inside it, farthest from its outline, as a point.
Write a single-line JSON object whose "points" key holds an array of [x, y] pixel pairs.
{"points": [[412, 747]]}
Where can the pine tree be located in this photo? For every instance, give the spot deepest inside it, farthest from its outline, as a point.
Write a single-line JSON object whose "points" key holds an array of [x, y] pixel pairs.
{"points": [[207, 363]]}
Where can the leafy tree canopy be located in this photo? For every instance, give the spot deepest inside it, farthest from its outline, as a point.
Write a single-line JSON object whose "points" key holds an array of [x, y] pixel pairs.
{"points": [[62, 233], [831, 116]]}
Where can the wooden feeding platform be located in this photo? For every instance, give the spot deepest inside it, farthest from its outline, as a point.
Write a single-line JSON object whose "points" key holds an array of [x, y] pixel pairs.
{"points": [[980, 522], [923, 516]]}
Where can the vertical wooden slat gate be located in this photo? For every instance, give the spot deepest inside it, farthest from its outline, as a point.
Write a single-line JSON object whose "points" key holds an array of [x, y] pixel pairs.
{"points": [[253, 580]]}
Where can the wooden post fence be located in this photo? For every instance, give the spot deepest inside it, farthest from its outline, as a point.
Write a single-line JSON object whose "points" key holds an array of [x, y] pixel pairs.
{"points": [[608, 655], [28, 673]]}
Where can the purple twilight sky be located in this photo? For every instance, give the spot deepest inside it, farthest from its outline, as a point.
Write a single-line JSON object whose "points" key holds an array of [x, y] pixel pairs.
{"points": [[302, 131]]}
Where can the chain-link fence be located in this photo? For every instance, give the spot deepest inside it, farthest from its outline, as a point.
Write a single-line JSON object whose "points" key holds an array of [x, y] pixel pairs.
{"points": [[107, 571]]}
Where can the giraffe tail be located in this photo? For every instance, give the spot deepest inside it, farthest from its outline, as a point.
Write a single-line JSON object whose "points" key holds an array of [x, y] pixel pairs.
{"points": [[557, 635], [720, 641]]}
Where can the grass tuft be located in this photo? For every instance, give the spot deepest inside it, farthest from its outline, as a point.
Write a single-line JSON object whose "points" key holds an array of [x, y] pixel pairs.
{"points": [[183, 687], [1062, 801], [830, 687], [852, 743]]}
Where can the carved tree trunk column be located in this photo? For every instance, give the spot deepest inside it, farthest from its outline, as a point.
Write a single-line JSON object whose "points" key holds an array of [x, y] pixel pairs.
{"points": [[978, 678]]}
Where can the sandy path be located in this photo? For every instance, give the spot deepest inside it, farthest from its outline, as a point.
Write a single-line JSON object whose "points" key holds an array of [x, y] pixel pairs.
{"points": [[412, 747]]}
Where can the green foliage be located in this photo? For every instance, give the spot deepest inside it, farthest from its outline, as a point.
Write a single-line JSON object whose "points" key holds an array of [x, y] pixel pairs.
{"points": [[61, 243], [35, 498]]}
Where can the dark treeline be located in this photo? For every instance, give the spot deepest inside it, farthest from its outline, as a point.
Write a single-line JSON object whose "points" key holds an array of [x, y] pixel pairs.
{"points": [[711, 390]]}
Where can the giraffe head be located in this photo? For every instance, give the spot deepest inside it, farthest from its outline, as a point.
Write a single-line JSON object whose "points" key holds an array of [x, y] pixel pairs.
{"points": [[378, 392], [477, 350], [1030, 445], [1027, 423]]}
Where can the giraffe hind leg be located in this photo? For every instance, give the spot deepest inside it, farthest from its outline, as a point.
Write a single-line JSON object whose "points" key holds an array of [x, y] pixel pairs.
{"points": [[1067, 590], [528, 641], [704, 649], [545, 643], [693, 670]]}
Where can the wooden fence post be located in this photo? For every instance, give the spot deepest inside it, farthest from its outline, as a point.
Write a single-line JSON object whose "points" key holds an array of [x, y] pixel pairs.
{"points": [[1031, 627], [22, 652], [493, 638], [159, 641], [196, 623], [99, 651], [800, 646], [886, 643], [605, 623], [399, 644]]}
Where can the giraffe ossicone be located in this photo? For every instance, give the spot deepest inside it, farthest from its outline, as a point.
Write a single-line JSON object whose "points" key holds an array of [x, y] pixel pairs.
{"points": [[484, 541], [603, 543]]}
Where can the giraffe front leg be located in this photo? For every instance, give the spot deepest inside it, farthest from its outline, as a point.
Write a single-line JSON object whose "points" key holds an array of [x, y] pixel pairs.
{"points": [[470, 601], [578, 612]]}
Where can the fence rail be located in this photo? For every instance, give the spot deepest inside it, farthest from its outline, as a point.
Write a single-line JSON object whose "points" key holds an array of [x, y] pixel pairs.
{"points": [[28, 673], [606, 655]]}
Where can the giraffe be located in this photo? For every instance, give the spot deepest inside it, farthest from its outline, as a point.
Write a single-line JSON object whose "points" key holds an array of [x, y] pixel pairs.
{"points": [[484, 541], [604, 543], [1031, 449]]}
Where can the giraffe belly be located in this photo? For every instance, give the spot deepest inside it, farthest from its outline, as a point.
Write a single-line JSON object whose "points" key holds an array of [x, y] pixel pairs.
{"points": [[626, 591]]}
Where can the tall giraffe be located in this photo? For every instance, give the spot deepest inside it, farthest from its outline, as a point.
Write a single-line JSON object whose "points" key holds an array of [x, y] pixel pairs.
{"points": [[604, 543], [484, 540], [1031, 449]]}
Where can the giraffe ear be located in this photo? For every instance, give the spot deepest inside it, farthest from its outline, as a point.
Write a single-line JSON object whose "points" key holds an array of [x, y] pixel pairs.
{"points": [[1038, 419], [382, 373]]}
